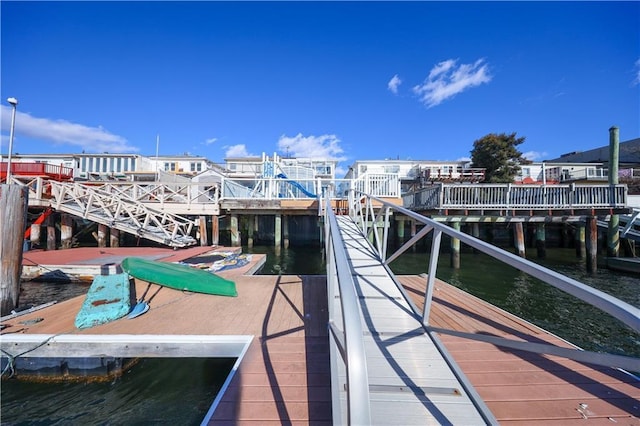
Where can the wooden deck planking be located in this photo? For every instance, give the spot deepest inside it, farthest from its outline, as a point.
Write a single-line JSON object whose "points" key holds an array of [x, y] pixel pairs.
{"points": [[520, 387], [284, 377]]}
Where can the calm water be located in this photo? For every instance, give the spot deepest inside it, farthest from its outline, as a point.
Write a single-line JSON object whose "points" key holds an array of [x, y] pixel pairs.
{"points": [[168, 391], [153, 391], [511, 290]]}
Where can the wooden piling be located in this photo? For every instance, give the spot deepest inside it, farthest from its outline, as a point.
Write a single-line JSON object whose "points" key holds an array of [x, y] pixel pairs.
{"points": [[285, 231], [613, 234], [400, 230], [277, 233], [413, 233], [51, 232], [250, 231], [592, 244], [475, 231], [13, 218], [204, 240], [235, 232], [518, 236], [103, 230], [66, 231], [581, 251], [215, 230], [541, 240], [35, 234], [114, 237], [455, 248]]}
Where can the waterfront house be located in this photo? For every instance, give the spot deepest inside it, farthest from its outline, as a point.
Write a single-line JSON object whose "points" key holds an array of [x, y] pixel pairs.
{"points": [[547, 172], [628, 158]]}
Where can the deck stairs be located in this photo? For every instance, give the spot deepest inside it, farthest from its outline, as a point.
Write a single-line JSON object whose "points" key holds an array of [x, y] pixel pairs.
{"points": [[410, 381], [122, 213]]}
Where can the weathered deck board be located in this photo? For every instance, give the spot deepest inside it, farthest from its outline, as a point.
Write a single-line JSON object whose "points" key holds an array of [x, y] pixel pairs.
{"points": [[520, 387]]}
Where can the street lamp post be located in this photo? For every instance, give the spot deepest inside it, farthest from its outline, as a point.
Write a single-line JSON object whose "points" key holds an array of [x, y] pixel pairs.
{"points": [[14, 102]]}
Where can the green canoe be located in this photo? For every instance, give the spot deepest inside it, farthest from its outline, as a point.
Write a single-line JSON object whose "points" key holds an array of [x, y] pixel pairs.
{"points": [[179, 277]]}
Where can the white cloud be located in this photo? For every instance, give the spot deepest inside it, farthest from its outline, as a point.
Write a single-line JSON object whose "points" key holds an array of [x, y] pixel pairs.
{"points": [[636, 81], [393, 84], [90, 139], [235, 151], [210, 141], [447, 79], [534, 155], [325, 146]]}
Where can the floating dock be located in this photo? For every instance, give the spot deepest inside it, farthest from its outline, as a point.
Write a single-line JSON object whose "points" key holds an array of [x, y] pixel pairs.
{"points": [[277, 327]]}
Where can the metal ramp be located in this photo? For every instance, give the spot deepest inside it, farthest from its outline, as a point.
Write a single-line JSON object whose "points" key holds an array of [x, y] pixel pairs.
{"points": [[122, 213], [409, 380]]}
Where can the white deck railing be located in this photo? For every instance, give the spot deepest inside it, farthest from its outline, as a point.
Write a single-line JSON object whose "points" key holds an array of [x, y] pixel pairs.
{"points": [[510, 196]]}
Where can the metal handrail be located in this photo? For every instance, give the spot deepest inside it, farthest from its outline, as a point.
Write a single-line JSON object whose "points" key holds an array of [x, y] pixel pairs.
{"points": [[349, 340], [363, 213]]}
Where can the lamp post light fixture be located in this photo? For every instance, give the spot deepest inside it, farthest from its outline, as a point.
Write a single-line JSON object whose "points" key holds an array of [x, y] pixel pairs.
{"points": [[14, 102]]}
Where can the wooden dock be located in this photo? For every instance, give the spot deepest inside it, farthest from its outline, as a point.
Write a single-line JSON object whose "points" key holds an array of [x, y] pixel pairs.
{"points": [[284, 377], [524, 388]]}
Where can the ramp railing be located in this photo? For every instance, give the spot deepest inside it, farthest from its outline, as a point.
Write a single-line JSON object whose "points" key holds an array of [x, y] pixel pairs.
{"points": [[345, 327], [117, 211]]}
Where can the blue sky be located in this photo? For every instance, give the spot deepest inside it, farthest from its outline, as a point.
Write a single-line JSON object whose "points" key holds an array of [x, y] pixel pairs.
{"points": [[345, 80]]}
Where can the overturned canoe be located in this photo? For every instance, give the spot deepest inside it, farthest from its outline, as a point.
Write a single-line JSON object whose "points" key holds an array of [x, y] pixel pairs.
{"points": [[108, 299], [179, 277]]}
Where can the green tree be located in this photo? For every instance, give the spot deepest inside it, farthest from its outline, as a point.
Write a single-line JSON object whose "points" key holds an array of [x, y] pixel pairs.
{"points": [[499, 156]]}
